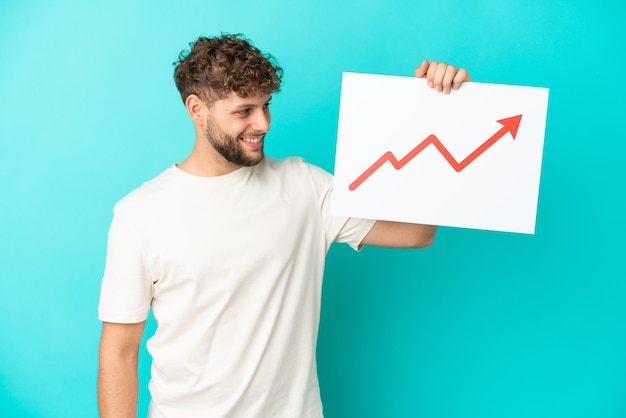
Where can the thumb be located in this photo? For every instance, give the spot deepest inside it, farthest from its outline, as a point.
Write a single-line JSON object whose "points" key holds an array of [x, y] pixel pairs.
{"points": [[420, 72]]}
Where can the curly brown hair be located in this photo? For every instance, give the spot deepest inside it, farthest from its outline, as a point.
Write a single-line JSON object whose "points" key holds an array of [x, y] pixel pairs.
{"points": [[213, 67]]}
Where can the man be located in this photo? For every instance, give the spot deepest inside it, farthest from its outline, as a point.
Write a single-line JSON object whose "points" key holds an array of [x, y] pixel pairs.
{"points": [[228, 249]]}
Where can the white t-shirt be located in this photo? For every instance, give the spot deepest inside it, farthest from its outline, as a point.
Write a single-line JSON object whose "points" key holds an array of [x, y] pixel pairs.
{"points": [[232, 267]]}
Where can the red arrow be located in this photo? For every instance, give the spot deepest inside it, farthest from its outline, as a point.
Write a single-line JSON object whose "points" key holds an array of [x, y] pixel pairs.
{"points": [[508, 125]]}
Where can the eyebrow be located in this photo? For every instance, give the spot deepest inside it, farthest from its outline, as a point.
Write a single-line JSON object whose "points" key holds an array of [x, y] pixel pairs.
{"points": [[245, 105], [249, 105]]}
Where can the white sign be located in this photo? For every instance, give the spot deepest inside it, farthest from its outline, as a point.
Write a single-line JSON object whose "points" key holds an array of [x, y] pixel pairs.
{"points": [[469, 159]]}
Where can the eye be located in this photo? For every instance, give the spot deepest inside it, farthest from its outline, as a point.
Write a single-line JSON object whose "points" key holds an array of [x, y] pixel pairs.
{"points": [[244, 111], [267, 105]]}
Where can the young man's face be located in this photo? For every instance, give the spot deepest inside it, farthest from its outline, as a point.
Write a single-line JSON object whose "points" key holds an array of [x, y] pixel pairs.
{"points": [[236, 128]]}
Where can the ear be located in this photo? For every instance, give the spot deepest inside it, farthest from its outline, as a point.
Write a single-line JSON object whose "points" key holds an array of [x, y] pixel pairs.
{"points": [[196, 109]]}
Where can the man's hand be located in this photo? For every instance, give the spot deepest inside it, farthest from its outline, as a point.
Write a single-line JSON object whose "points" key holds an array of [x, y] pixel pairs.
{"points": [[441, 76]]}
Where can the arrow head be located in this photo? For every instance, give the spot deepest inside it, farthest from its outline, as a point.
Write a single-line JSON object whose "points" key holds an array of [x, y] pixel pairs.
{"points": [[511, 124]]}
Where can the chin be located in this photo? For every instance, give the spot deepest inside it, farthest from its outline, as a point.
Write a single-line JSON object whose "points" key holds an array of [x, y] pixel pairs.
{"points": [[249, 162]]}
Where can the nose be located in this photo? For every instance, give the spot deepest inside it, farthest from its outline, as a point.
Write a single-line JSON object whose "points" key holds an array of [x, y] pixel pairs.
{"points": [[261, 122]]}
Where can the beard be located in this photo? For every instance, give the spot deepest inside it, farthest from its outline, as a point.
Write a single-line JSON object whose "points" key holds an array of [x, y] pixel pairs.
{"points": [[228, 147]]}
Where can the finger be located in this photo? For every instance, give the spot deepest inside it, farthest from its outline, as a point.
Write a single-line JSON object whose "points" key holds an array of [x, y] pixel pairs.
{"points": [[440, 72], [430, 74], [420, 72], [459, 78], [448, 78]]}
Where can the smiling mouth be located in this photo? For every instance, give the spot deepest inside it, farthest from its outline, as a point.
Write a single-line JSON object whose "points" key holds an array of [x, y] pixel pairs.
{"points": [[252, 139]]}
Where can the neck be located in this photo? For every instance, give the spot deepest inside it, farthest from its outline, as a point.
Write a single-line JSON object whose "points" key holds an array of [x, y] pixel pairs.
{"points": [[204, 161]]}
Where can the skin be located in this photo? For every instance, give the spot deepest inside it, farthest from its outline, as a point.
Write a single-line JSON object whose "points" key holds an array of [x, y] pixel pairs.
{"points": [[227, 122], [117, 371], [233, 116]]}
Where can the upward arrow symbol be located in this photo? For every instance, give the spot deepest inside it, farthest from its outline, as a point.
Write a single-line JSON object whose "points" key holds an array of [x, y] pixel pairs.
{"points": [[508, 125]]}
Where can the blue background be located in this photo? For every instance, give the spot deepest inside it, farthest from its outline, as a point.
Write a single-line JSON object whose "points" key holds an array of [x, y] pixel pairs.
{"points": [[482, 324]]}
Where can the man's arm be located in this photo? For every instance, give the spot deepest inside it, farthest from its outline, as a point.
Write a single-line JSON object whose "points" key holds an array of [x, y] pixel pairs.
{"points": [[400, 235], [117, 373]]}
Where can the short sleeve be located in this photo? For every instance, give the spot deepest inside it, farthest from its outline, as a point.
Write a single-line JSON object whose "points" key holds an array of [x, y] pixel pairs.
{"points": [[342, 229], [126, 291]]}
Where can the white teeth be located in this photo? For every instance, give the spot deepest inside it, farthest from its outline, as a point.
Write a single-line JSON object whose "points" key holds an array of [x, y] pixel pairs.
{"points": [[252, 140]]}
